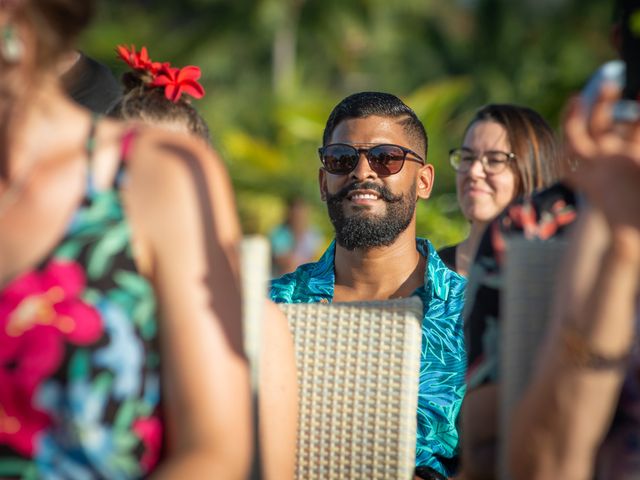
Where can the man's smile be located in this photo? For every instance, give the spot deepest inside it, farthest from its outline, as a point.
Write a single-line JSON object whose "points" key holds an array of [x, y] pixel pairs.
{"points": [[363, 197]]}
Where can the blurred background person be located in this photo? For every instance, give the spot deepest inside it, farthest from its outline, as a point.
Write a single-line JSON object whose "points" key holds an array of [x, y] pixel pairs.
{"points": [[294, 242], [535, 162], [549, 215], [101, 375], [148, 101], [580, 416], [508, 151]]}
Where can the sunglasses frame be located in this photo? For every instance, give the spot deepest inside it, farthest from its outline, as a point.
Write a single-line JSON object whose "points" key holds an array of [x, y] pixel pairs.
{"points": [[359, 151]]}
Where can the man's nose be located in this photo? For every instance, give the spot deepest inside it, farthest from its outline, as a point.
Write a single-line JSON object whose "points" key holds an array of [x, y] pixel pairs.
{"points": [[363, 169]]}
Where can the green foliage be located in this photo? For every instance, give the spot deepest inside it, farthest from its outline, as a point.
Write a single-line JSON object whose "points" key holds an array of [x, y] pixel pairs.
{"points": [[273, 69]]}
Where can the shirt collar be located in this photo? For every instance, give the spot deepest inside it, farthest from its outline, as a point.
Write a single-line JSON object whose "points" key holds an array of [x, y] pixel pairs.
{"points": [[437, 275]]}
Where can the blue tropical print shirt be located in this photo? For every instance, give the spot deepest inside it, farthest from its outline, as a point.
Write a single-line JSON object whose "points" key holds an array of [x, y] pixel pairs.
{"points": [[443, 359]]}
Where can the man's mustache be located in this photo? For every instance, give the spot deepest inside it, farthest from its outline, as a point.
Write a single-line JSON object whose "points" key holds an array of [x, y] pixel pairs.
{"points": [[381, 190]]}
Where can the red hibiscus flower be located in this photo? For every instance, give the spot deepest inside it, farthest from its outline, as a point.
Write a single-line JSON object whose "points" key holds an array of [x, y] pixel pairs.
{"points": [[138, 60], [39, 311], [177, 81], [149, 430], [24, 362]]}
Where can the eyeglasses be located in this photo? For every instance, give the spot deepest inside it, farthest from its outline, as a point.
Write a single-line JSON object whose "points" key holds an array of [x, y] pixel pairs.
{"points": [[493, 161], [384, 159]]}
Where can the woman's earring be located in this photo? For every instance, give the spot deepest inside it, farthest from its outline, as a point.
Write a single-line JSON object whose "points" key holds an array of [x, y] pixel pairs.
{"points": [[11, 47]]}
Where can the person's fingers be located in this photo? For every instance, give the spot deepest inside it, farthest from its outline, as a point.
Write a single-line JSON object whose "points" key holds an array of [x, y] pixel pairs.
{"points": [[578, 141], [601, 119], [611, 145]]}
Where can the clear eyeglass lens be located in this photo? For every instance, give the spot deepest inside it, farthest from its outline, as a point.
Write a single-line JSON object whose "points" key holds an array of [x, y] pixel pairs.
{"points": [[493, 162]]}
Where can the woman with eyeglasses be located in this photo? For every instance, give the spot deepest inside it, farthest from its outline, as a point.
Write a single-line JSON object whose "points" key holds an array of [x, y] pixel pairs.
{"points": [[508, 151]]}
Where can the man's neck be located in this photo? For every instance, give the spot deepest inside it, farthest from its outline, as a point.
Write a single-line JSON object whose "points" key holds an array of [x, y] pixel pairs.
{"points": [[379, 273]]}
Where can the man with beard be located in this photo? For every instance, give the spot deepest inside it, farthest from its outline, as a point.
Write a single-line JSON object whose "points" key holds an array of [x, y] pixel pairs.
{"points": [[373, 173]]}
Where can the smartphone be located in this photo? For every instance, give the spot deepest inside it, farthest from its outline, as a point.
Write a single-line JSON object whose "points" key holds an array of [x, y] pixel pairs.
{"points": [[624, 73], [615, 71]]}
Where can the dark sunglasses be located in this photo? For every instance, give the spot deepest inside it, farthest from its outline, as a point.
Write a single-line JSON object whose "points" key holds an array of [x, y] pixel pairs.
{"points": [[384, 159]]}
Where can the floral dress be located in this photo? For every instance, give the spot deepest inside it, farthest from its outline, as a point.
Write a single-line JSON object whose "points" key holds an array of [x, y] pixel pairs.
{"points": [[79, 355]]}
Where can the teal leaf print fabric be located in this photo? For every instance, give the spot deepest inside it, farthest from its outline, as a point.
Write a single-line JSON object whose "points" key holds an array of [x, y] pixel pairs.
{"points": [[79, 357], [443, 359]]}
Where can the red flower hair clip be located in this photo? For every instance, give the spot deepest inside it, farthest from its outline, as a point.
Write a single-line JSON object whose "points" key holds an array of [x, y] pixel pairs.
{"points": [[138, 60], [175, 81]]}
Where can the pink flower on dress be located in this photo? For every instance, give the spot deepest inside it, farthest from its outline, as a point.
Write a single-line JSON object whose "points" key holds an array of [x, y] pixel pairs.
{"points": [[149, 430], [39, 312]]}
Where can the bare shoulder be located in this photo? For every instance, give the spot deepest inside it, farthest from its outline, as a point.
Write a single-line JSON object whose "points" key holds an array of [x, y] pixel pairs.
{"points": [[177, 189], [172, 158], [165, 157]]}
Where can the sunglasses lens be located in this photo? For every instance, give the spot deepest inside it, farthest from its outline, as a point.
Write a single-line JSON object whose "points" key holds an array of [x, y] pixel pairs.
{"points": [[386, 159], [339, 159]]}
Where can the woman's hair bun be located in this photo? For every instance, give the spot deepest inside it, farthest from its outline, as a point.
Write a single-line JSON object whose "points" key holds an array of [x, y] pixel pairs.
{"points": [[132, 79]]}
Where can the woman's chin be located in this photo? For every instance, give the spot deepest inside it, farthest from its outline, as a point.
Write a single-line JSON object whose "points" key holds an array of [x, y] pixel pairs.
{"points": [[481, 216]]}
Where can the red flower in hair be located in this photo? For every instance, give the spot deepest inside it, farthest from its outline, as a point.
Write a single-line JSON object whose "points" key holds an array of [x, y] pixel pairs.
{"points": [[138, 60], [177, 81]]}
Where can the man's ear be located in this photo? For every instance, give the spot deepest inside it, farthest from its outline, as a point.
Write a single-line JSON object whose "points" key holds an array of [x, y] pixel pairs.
{"points": [[426, 176], [322, 181]]}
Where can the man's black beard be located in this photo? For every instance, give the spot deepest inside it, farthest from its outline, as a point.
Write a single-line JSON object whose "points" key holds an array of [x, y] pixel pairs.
{"points": [[364, 230]]}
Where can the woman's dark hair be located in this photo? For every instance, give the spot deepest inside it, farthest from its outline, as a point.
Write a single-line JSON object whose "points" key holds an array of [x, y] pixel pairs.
{"points": [[56, 25], [538, 161], [149, 105]]}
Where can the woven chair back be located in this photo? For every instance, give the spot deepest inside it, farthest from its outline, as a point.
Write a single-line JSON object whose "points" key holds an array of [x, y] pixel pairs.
{"points": [[358, 370], [531, 269], [254, 267]]}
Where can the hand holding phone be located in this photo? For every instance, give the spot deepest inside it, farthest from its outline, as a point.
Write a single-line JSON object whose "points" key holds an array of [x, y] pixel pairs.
{"points": [[613, 72], [605, 155], [624, 73]]}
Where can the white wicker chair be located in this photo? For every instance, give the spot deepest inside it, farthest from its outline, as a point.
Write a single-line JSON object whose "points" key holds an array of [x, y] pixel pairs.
{"points": [[358, 370], [255, 266]]}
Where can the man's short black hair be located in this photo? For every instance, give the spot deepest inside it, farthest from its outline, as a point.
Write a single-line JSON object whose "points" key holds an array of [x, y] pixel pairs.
{"points": [[366, 104]]}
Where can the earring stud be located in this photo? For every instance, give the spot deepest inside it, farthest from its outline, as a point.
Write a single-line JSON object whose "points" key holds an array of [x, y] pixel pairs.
{"points": [[11, 47]]}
